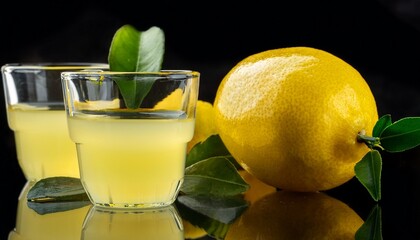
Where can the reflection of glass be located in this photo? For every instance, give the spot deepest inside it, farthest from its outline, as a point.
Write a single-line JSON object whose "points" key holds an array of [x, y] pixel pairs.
{"points": [[63, 225], [35, 111], [159, 223], [131, 144], [290, 215]]}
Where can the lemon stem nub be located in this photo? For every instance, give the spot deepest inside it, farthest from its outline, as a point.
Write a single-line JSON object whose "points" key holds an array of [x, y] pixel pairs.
{"points": [[371, 142]]}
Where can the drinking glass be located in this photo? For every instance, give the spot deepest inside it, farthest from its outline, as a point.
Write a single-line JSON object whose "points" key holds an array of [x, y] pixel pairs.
{"points": [[131, 131], [36, 114], [158, 223]]}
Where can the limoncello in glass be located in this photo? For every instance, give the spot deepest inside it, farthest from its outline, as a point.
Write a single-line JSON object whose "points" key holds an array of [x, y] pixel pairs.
{"points": [[131, 145], [42, 142], [36, 114], [131, 160]]}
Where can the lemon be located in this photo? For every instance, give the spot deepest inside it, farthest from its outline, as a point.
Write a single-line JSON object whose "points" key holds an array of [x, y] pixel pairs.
{"points": [[291, 116], [204, 123], [294, 215]]}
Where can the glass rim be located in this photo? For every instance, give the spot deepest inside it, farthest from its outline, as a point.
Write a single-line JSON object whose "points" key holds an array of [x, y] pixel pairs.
{"points": [[162, 73], [54, 66]]}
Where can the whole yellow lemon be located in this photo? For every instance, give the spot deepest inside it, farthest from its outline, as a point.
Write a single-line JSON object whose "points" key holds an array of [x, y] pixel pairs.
{"points": [[291, 116], [293, 215]]}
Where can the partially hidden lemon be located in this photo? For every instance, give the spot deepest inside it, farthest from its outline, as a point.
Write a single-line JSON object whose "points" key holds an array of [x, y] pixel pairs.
{"points": [[204, 123], [171, 102], [291, 116], [293, 215]]}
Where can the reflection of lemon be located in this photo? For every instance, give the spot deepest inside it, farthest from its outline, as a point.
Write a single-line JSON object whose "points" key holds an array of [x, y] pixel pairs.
{"points": [[191, 231], [257, 189], [291, 117], [293, 215], [171, 102], [204, 123]]}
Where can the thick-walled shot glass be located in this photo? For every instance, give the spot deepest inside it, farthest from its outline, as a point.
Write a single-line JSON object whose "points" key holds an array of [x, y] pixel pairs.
{"points": [[131, 131], [36, 114]]}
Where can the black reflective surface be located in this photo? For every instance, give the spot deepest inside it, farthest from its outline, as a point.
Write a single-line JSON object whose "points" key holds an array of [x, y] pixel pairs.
{"points": [[344, 209]]}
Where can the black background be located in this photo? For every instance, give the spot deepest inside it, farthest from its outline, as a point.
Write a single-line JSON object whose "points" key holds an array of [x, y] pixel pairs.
{"points": [[380, 38]]}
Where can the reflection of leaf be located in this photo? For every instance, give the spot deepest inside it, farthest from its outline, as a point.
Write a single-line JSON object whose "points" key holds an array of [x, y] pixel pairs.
{"points": [[57, 189], [212, 227], [368, 172], [213, 176], [211, 147], [222, 209], [372, 228], [52, 207]]}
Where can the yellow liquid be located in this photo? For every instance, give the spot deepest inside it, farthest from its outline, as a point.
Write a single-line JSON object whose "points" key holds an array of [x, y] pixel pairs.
{"points": [[64, 225], [44, 148], [163, 223], [131, 162]]}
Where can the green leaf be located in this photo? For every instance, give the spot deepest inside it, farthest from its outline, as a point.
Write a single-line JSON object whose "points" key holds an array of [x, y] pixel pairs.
{"points": [[55, 189], [135, 51], [213, 176], [53, 207], [222, 209], [211, 147], [372, 227], [368, 172], [402, 135], [381, 124]]}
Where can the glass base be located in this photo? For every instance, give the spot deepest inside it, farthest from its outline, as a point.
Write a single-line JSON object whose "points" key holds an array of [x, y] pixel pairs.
{"points": [[133, 206]]}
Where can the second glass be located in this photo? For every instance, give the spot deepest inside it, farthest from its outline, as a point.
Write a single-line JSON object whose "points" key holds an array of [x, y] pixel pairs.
{"points": [[131, 131], [35, 113]]}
